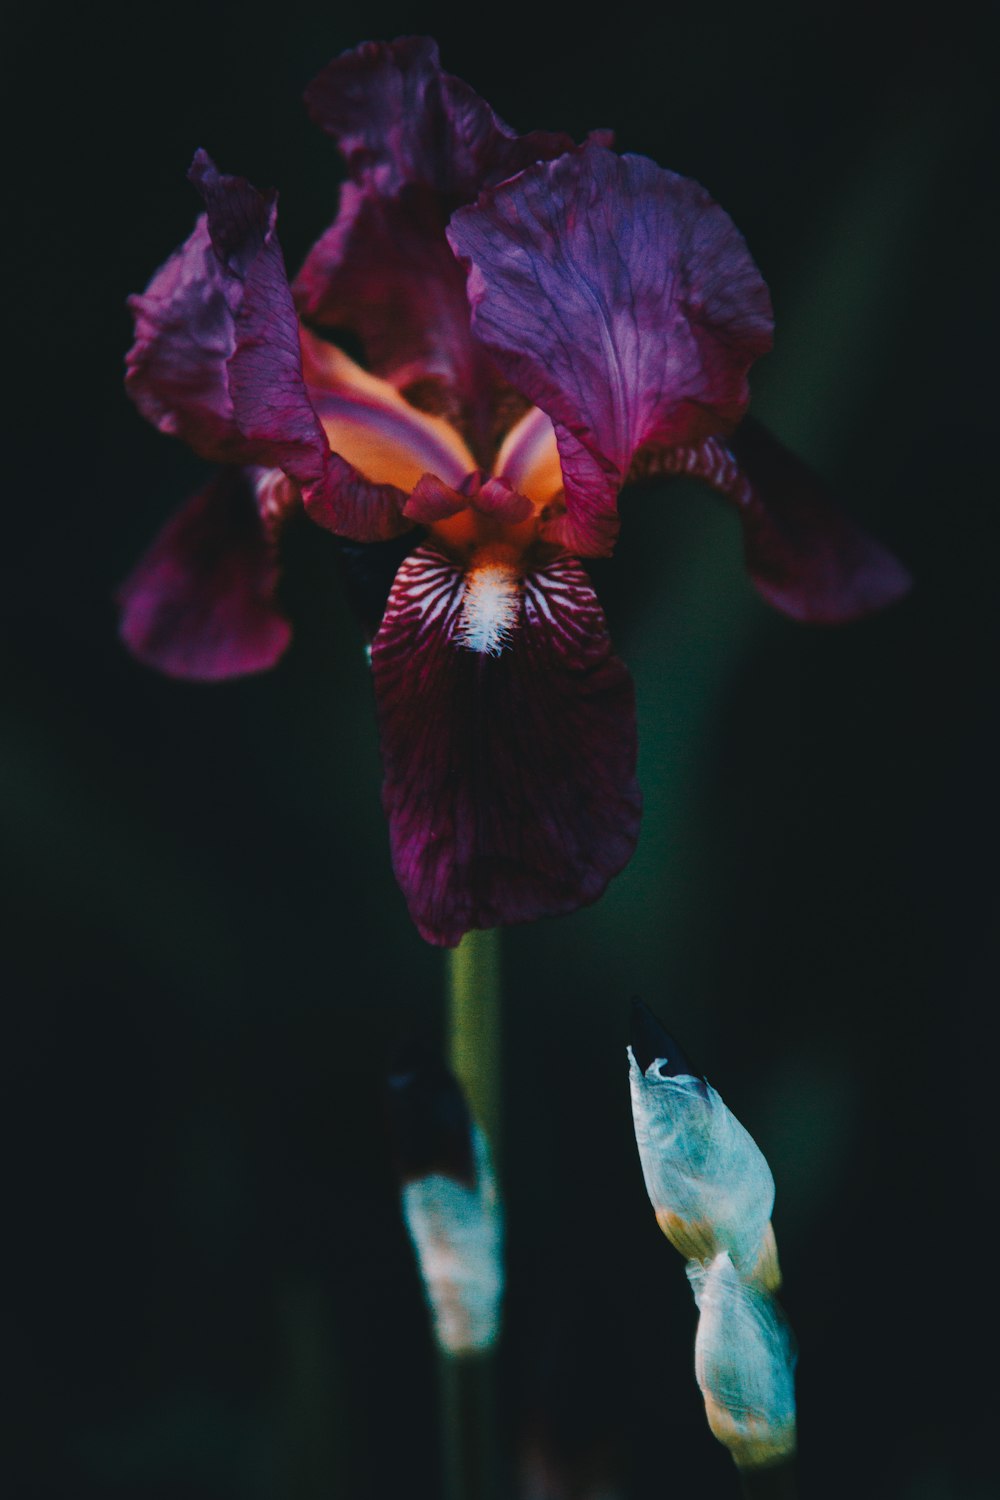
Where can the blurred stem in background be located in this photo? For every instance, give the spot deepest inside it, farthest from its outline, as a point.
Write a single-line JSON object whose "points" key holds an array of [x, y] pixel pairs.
{"points": [[468, 1381]]}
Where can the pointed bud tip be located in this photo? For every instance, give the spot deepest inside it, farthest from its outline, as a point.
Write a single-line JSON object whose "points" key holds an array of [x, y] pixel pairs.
{"points": [[651, 1042]]}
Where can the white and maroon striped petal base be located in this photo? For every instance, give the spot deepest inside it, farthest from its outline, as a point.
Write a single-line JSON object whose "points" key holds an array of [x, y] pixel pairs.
{"points": [[509, 769]]}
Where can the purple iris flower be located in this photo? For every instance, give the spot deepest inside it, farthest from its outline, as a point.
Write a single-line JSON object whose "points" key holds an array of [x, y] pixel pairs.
{"points": [[540, 322]]}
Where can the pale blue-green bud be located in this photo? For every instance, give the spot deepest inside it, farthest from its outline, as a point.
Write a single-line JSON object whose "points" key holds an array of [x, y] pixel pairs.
{"points": [[457, 1233], [708, 1181], [744, 1360]]}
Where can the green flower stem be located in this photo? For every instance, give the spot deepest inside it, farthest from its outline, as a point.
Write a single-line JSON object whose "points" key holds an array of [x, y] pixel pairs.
{"points": [[467, 1382], [474, 1026], [468, 1407]]}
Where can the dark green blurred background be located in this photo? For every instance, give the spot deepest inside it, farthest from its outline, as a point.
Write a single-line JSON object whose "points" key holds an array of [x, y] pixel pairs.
{"points": [[207, 958]]}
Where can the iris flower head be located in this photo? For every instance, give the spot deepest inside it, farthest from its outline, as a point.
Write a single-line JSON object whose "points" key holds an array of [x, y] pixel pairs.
{"points": [[540, 323]]}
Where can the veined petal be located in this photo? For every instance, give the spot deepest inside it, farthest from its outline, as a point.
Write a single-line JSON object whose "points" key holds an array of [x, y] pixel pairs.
{"points": [[805, 556], [384, 271], [270, 403], [201, 603], [433, 501], [509, 779], [176, 368], [400, 120], [418, 143], [621, 300]]}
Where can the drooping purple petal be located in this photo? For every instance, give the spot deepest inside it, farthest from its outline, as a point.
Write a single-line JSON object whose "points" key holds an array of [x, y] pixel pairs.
{"points": [[270, 402], [400, 120], [418, 143], [176, 368], [805, 556], [509, 779], [201, 603], [621, 300]]}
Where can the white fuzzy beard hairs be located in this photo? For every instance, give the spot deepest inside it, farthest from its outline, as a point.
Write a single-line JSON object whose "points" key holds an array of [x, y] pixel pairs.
{"points": [[491, 603]]}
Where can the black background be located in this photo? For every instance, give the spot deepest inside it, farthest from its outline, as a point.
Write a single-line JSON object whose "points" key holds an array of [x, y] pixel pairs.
{"points": [[207, 956]]}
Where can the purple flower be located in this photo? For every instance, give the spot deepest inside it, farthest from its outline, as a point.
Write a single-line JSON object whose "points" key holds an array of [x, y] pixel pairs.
{"points": [[541, 322]]}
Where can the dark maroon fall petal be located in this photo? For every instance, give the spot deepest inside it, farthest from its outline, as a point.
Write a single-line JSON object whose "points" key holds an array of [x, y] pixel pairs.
{"points": [[270, 402], [806, 557], [510, 779], [620, 299], [176, 368], [201, 602]]}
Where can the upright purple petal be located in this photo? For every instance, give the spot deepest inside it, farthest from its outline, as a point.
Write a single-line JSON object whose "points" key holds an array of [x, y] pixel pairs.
{"points": [[509, 779], [201, 603], [621, 300], [418, 143], [176, 368], [269, 398], [384, 272], [805, 556], [400, 120]]}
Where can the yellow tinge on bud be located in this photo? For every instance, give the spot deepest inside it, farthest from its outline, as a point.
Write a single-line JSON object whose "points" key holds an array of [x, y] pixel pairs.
{"points": [[712, 1192], [707, 1179], [744, 1361]]}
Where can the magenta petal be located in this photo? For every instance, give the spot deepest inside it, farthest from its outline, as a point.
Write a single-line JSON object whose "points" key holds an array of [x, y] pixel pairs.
{"points": [[400, 120], [509, 780], [201, 603], [270, 402], [418, 143], [498, 498], [805, 556], [433, 500], [384, 272], [176, 368], [621, 300]]}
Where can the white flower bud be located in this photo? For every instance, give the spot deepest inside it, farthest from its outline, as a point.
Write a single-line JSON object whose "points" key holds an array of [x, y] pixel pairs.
{"points": [[457, 1233], [708, 1181], [744, 1360]]}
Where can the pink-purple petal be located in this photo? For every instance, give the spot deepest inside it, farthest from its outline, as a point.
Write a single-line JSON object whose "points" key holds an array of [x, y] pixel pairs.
{"points": [[509, 780], [805, 555], [270, 402], [621, 300], [384, 272], [176, 368], [400, 120], [432, 500], [201, 603], [496, 497], [418, 143]]}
